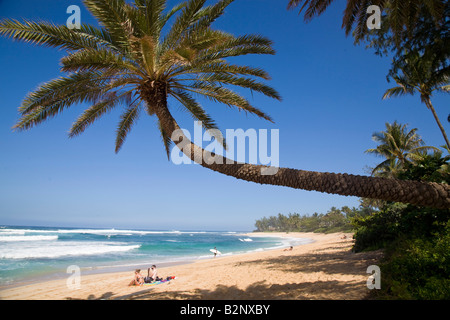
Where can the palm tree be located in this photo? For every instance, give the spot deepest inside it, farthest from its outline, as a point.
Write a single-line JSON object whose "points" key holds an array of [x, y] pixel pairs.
{"points": [[401, 16], [419, 73], [131, 62], [397, 145]]}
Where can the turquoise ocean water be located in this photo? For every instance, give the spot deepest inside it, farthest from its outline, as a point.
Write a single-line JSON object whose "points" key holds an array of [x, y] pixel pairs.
{"points": [[40, 253]]}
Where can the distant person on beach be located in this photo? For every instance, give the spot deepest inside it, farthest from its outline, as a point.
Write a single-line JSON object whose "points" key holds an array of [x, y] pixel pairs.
{"points": [[290, 248], [215, 252], [138, 278]]}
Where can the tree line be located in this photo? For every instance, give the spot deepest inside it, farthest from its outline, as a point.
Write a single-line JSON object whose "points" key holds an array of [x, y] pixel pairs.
{"points": [[334, 220]]}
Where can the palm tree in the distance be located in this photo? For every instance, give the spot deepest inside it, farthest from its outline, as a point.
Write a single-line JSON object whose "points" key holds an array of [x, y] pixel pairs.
{"points": [[131, 62], [398, 145], [419, 74]]}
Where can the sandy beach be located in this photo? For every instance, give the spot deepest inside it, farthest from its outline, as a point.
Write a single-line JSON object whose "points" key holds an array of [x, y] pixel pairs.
{"points": [[323, 269]]}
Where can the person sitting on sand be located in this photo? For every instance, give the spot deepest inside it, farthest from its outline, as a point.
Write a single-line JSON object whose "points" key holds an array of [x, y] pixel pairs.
{"points": [[153, 274], [290, 248], [138, 278]]}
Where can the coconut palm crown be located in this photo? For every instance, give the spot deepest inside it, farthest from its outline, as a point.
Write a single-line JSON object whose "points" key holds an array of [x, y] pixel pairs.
{"points": [[130, 62], [126, 60], [421, 74], [398, 145]]}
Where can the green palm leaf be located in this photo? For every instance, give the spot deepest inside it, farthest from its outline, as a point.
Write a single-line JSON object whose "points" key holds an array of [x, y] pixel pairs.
{"points": [[127, 120], [49, 35], [397, 145], [167, 141], [94, 113]]}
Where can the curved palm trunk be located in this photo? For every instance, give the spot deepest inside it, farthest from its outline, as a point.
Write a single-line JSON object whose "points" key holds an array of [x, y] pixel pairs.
{"points": [[430, 106], [414, 192]]}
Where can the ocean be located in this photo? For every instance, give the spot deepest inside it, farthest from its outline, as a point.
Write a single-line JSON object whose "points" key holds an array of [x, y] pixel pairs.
{"points": [[30, 254]]}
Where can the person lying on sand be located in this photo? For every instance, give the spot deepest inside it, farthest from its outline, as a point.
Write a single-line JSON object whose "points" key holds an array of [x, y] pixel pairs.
{"points": [[290, 248], [138, 278]]}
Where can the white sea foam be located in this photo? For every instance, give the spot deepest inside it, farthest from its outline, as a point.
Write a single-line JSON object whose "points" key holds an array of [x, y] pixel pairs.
{"points": [[62, 249], [10, 231], [26, 238], [106, 232]]}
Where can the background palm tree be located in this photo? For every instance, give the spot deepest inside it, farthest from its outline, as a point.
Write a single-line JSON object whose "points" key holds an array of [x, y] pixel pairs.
{"points": [[420, 73], [400, 16], [397, 145], [131, 62]]}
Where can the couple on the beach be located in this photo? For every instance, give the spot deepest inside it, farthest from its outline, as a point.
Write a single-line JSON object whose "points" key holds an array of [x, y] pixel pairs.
{"points": [[139, 279]]}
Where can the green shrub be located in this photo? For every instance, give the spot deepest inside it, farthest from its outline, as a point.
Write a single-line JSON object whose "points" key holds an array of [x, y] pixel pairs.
{"points": [[417, 268], [397, 220], [378, 229]]}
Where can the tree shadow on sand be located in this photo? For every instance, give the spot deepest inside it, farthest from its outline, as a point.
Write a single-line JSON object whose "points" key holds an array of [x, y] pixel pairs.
{"points": [[259, 291], [344, 262]]}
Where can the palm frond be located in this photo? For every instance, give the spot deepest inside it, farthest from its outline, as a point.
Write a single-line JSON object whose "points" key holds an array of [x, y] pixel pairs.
{"points": [[164, 18], [49, 35], [219, 68], [249, 44], [216, 78], [101, 36], [148, 46], [182, 23], [98, 60], [394, 92], [166, 139], [52, 97], [194, 108], [225, 96], [313, 7], [112, 15], [127, 120], [93, 113], [206, 16]]}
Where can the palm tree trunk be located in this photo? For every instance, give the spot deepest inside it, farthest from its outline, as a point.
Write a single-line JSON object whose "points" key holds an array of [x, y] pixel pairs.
{"points": [[414, 192], [430, 106]]}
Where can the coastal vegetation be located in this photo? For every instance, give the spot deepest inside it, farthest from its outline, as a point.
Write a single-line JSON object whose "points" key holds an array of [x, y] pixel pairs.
{"points": [[415, 240], [335, 220]]}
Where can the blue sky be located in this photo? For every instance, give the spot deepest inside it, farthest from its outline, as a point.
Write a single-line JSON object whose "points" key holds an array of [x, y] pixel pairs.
{"points": [[331, 105]]}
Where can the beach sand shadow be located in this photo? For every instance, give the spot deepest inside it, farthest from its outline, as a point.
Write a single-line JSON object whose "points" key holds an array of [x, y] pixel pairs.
{"points": [[336, 263], [317, 290]]}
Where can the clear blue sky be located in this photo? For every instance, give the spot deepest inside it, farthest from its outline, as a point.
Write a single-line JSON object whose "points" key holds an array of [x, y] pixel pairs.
{"points": [[331, 105]]}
